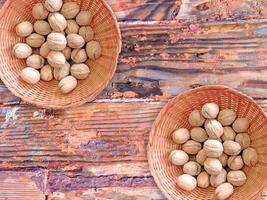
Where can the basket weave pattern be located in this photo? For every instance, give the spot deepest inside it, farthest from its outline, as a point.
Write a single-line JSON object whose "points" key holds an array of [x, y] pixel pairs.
{"points": [[47, 94], [175, 115]]}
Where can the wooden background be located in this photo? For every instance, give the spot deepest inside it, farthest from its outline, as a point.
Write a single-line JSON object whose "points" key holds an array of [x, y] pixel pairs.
{"points": [[98, 151]]}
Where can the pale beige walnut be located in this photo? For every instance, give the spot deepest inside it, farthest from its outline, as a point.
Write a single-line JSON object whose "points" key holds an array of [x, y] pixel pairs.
{"points": [[39, 11], [53, 5], [22, 50], [235, 162], [70, 10], [250, 157], [30, 75], [191, 147], [79, 56], [224, 191], [72, 27], [60, 73], [42, 27], [228, 133], [213, 148], [178, 157], [75, 41], [84, 18], [35, 61], [243, 139], [231, 148], [203, 180], [241, 125], [93, 50], [67, 84], [180, 135], [56, 41], [187, 182], [212, 166], [213, 128], [192, 168], [198, 134], [223, 159], [44, 50], [80, 71], [57, 22], [24, 29], [216, 180], [56, 59], [201, 157], [67, 53], [236, 178], [87, 33], [210, 110], [196, 119], [35, 40], [46, 73], [226, 117]]}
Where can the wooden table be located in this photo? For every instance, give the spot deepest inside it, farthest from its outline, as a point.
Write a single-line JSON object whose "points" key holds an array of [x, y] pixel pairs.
{"points": [[98, 151]]}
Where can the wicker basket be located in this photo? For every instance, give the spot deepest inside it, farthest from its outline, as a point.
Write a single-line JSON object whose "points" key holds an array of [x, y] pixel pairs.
{"points": [[175, 115], [47, 94]]}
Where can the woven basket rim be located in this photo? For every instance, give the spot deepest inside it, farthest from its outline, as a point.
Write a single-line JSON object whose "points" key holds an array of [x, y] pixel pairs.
{"points": [[169, 105], [91, 97]]}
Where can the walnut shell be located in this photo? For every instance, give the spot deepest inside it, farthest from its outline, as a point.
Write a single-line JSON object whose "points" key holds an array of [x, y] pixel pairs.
{"points": [[84, 18], [35, 40], [56, 59], [250, 157], [212, 166], [56, 41], [201, 157], [198, 134], [35, 61], [210, 110], [192, 168], [24, 29], [191, 147], [236, 178], [226, 117], [235, 162], [195, 118], [67, 84], [187, 182], [243, 139], [70, 10], [53, 5], [93, 50], [228, 133], [224, 191], [42, 27], [80, 71], [180, 135], [223, 159], [30, 75], [231, 148], [79, 56], [214, 128], [87, 33], [22, 50], [203, 180], [240, 125], [75, 41], [39, 12], [44, 50], [67, 53], [178, 157], [213, 148], [60, 73], [46, 73], [72, 27], [57, 22], [216, 180]]}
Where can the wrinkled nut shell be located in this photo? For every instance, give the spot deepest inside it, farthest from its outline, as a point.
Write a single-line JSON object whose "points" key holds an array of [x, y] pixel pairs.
{"points": [[53, 5], [213, 148], [87, 33], [72, 27], [79, 55], [210, 110], [93, 50], [67, 84], [35, 40], [75, 41], [178, 157], [223, 159], [42, 27], [56, 41], [243, 139], [70, 10], [180, 135], [228, 133], [250, 157], [46, 73], [240, 125], [216, 180], [56, 59], [198, 134], [226, 117], [187, 182], [212, 166], [39, 12], [22, 50], [191, 147], [203, 180], [24, 29], [60, 73], [236, 178], [84, 18], [30, 75], [57, 22], [196, 119], [201, 157], [44, 50], [224, 191], [67, 53], [231, 148], [235, 162], [192, 168], [35, 61], [80, 71], [214, 128]]}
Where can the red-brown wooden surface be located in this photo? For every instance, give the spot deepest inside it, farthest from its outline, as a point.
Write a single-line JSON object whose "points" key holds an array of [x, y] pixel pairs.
{"points": [[98, 151]]}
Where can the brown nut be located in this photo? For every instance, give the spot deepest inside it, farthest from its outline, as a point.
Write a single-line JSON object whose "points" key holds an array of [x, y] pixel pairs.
{"points": [[224, 191], [56, 59], [214, 128], [198, 134], [93, 50], [79, 56], [30, 75], [187, 182], [191, 147], [236, 178], [72, 27], [35, 61], [178, 157], [39, 12], [216, 180], [223, 159], [67, 84], [53, 5], [243, 139], [22, 50], [203, 180], [57, 22], [196, 119], [75, 41], [213, 148], [226, 117], [42, 27], [210, 110], [212, 166], [56, 41], [46, 73], [240, 125], [228, 133], [70, 10], [87, 33], [231, 148], [35, 40], [80, 71], [24, 29], [67, 53], [192, 168], [180, 135], [44, 50], [201, 157], [84, 18], [60, 73], [250, 157], [235, 162]]}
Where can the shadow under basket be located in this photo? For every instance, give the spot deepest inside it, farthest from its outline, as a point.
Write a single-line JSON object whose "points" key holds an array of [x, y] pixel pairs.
{"points": [[175, 115], [46, 94]]}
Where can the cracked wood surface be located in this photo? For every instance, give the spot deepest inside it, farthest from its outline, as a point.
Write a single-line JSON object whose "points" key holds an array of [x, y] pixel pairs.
{"points": [[98, 151]]}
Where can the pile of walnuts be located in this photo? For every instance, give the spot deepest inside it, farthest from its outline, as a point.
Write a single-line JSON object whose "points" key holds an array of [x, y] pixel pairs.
{"points": [[57, 45], [214, 151]]}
